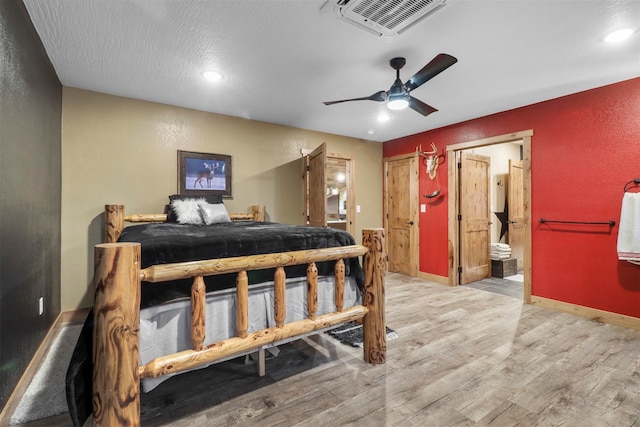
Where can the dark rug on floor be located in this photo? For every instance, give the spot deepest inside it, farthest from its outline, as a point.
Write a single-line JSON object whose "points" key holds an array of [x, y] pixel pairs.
{"points": [[351, 334]]}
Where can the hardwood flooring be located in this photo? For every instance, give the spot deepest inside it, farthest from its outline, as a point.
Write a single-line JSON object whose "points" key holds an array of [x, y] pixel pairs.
{"points": [[500, 286], [463, 357]]}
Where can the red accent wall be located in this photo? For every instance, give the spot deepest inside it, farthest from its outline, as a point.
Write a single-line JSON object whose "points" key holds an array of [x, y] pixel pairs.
{"points": [[584, 148]]}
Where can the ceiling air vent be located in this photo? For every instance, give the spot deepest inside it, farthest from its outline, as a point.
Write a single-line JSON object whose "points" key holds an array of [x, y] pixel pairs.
{"points": [[385, 17]]}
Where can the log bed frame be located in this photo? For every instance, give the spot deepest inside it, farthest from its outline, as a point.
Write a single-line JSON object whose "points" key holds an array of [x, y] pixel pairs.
{"points": [[116, 360]]}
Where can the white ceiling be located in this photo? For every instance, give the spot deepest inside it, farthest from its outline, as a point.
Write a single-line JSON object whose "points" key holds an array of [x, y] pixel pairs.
{"points": [[282, 58]]}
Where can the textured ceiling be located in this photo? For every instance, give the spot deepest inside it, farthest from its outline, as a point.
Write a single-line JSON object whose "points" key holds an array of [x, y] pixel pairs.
{"points": [[282, 58]]}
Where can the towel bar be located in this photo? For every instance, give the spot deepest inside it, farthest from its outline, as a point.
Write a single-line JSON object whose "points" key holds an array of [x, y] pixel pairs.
{"points": [[609, 223], [628, 185]]}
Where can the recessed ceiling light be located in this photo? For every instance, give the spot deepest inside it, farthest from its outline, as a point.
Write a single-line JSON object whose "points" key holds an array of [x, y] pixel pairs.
{"points": [[212, 76], [619, 35], [383, 117], [370, 131]]}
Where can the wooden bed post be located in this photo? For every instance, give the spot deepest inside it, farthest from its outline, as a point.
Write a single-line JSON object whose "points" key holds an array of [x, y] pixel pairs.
{"points": [[374, 326], [113, 222], [259, 213], [116, 357]]}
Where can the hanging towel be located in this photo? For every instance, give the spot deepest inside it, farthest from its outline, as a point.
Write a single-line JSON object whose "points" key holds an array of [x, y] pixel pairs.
{"points": [[629, 230]]}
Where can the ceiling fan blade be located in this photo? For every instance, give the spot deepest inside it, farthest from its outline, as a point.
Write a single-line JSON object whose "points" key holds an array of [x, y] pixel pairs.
{"points": [[420, 106], [378, 97], [429, 71]]}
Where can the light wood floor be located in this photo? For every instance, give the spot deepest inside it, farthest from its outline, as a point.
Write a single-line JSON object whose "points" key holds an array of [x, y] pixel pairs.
{"points": [[464, 357], [500, 286]]}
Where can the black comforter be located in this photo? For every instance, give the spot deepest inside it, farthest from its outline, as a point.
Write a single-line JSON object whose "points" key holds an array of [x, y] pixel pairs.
{"points": [[170, 242]]}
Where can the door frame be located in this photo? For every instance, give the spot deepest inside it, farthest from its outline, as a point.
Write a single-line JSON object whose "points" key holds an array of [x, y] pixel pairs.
{"points": [[453, 152]]}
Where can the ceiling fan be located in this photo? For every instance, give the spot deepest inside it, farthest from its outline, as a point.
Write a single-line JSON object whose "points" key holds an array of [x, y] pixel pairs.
{"points": [[398, 96]]}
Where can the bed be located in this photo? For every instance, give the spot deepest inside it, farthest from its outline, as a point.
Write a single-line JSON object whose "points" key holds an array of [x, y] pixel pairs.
{"points": [[319, 271]]}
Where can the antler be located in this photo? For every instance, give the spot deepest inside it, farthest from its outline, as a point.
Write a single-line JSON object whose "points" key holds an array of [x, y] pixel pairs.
{"points": [[427, 154], [431, 159]]}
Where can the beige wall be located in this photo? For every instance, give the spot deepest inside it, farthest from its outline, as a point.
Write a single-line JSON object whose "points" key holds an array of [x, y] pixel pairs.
{"points": [[120, 150]]}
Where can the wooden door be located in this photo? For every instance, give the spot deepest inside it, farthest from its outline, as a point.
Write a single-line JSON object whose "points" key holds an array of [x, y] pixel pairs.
{"points": [[317, 183], [515, 199], [338, 173], [475, 237], [401, 215]]}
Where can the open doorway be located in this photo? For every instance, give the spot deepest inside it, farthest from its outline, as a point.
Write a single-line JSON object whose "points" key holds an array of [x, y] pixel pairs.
{"points": [[327, 188], [480, 213]]}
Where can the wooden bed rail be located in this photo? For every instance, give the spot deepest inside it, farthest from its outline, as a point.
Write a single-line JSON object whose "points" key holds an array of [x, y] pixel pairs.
{"points": [[186, 270], [116, 358], [114, 219], [188, 359]]}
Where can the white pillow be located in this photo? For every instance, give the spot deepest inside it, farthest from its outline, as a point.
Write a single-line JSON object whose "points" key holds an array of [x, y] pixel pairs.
{"points": [[212, 214], [188, 210]]}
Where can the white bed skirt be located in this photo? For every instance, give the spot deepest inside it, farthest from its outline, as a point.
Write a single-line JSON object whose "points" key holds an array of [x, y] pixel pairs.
{"points": [[165, 329]]}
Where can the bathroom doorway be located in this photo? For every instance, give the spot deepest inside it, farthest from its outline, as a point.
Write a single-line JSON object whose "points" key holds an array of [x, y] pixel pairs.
{"points": [[483, 215]]}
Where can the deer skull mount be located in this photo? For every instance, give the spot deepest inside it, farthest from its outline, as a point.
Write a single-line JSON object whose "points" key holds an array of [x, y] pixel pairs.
{"points": [[431, 161]]}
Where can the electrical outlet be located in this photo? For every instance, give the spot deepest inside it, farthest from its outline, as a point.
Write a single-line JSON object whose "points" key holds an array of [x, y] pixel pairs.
{"points": [[40, 306]]}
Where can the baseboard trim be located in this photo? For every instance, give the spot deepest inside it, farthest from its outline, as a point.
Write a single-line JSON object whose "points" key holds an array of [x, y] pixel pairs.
{"points": [[74, 317], [443, 280], [64, 318], [588, 312]]}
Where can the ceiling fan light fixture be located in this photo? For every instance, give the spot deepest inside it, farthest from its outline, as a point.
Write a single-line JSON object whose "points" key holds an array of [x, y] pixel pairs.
{"points": [[398, 103], [397, 97]]}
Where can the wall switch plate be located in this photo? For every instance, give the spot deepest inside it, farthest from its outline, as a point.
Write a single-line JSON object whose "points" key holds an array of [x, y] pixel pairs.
{"points": [[357, 208], [423, 208]]}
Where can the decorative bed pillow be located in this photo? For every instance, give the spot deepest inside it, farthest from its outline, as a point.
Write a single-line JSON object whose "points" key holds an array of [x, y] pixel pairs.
{"points": [[172, 216], [187, 211], [209, 198], [213, 213]]}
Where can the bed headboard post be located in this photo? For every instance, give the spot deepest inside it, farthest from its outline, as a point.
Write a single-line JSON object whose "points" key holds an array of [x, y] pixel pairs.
{"points": [[374, 326], [259, 212], [116, 357], [113, 222]]}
